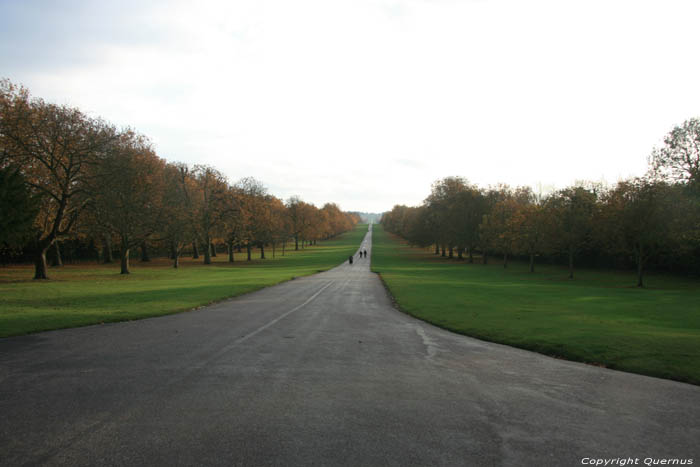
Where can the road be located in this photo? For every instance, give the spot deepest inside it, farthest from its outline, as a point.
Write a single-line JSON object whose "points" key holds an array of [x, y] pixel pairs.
{"points": [[321, 370]]}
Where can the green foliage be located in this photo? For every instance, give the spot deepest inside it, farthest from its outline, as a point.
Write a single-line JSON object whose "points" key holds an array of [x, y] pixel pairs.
{"points": [[600, 318], [82, 295]]}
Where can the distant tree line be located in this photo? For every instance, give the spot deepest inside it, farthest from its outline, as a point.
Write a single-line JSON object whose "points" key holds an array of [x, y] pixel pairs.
{"points": [[69, 179], [641, 222]]}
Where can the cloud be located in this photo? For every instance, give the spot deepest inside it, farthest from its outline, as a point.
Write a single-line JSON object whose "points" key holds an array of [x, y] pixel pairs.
{"points": [[366, 101]]}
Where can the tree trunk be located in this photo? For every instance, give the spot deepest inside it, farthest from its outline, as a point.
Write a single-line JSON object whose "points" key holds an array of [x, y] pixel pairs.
{"points": [[249, 251], [56, 260], [213, 250], [231, 257], [450, 252], [262, 251], [571, 263], [207, 250], [144, 252], [485, 259], [437, 249], [296, 243], [640, 268], [40, 263], [124, 255], [471, 255], [107, 250], [195, 251], [505, 260], [176, 261], [443, 251], [532, 262]]}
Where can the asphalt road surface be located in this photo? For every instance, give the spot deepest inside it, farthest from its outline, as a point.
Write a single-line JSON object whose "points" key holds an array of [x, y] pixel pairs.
{"points": [[321, 371]]}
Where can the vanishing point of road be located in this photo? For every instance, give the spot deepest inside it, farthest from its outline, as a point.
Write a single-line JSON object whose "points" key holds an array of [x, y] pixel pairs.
{"points": [[321, 370]]}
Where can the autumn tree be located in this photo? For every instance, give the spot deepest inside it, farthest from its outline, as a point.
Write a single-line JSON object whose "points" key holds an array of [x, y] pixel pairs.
{"points": [[569, 213], [278, 221], [299, 218], [237, 221], [315, 226], [529, 221], [209, 205], [177, 229], [126, 188], [337, 221], [258, 229], [53, 146], [637, 220]]}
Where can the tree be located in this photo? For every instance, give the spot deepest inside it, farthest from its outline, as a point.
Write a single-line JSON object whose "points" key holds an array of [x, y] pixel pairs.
{"points": [[637, 218], [442, 202], [236, 222], [177, 228], [299, 218], [278, 221], [679, 158], [208, 205], [53, 146], [470, 207], [18, 207], [569, 213], [254, 199], [529, 219], [500, 223], [126, 187]]}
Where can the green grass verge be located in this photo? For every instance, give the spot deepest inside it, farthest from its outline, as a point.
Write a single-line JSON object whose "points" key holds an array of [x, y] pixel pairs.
{"points": [[599, 317], [79, 295]]}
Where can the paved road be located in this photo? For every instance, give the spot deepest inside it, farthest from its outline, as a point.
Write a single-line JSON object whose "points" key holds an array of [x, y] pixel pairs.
{"points": [[321, 371]]}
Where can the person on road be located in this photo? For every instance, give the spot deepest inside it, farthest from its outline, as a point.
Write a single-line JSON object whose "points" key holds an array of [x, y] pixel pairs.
{"points": [[350, 259]]}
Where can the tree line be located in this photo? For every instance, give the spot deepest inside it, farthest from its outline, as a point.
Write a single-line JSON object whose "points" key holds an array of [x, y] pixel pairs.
{"points": [[64, 175], [652, 220]]}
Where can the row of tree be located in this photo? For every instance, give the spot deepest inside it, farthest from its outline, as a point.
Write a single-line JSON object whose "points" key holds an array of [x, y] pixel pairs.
{"points": [[64, 174], [651, 219]]}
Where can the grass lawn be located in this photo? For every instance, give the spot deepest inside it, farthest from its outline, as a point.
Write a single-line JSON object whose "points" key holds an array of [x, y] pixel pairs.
{"points": [[78, 295], [599, 317]]}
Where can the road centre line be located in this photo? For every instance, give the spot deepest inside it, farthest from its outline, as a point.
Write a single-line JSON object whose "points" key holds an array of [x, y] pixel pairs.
{"points": [[265, 326]]}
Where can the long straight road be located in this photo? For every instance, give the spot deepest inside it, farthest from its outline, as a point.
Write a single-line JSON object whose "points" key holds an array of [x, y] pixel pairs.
{"points": [[321, 370]]}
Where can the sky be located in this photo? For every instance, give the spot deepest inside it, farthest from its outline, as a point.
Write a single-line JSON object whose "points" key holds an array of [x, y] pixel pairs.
{"points": [[367, 102]]}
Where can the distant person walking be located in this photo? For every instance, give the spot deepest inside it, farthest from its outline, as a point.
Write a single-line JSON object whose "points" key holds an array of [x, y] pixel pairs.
{"points": [[350, 259], [365, 252]]}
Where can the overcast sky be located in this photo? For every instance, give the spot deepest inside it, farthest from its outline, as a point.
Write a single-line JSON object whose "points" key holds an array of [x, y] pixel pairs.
{"points": [[367, 102]]}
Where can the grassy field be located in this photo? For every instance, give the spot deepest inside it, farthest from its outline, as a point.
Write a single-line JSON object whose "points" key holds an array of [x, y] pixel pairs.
{"points": [[79, 295], [599, 317]]}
